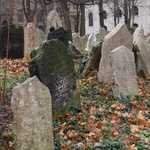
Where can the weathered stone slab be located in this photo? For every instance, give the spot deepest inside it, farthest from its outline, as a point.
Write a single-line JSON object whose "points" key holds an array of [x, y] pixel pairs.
{"points": [[139, 32], [40, 36], [124, 75], [119, 36], [142, 53], [55, 69], [148, 39], [54, 20], [100, 36], [60, 34], [94, 59], [74, 52], [30, 38], [32, 111]]}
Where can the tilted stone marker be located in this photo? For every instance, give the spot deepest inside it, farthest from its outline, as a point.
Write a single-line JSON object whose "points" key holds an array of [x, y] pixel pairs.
{"points": [[124, 75], [32, 111], [142, 51], [55, 69], [119, 36], [94, 59]]}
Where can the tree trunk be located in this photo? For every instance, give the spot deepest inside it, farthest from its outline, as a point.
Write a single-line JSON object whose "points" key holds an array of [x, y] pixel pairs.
{"points": [[64, 5], [29, 14], [126, 13], [82, 26], [115, 12], [78, 18], [129, 8], [132, 12], [101, 13]]}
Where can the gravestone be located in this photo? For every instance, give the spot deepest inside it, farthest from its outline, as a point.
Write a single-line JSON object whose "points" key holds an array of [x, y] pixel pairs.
{"points": [[30, 38], [124, 75], [117, 37], [100, 36], [32, 111], [85, 39], [148, 39], [76, 41], [94, 59], [60, 34], [142, 53], [91, 42], [54, 68], [139, 32], [74, 52], [40, 36], [16, 42], [54, 20]]}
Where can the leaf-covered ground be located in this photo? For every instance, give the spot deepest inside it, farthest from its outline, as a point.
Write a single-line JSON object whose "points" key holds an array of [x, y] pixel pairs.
{"points": [[102, 122]]}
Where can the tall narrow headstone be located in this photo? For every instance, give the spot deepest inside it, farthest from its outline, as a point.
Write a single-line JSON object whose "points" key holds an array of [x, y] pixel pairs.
{"points": [[32, 111], [30, 38], [142, 52], [124, 75], [119, 36]]}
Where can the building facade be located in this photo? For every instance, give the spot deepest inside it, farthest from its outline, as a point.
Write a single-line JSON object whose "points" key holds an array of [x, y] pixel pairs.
{"points": [[140, 17]]}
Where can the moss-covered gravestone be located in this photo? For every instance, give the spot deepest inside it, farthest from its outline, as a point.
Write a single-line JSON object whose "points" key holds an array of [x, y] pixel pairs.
{"points": [[54, 68], [16, 42], [60, 34]]}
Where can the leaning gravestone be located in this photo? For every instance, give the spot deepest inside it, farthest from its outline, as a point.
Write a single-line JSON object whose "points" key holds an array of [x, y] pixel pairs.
{"points": [[142, 53], [124, 75], [119, 36], [94, 59], [32, 111], [54, 67]]}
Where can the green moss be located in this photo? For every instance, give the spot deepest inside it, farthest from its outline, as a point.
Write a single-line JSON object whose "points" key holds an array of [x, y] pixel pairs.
{"points": [[64, 110]]}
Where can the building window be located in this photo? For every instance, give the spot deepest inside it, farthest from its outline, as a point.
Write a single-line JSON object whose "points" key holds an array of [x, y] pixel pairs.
{"points": [[90, 19], [74, 6], [20, 16], [104, 14], [4, 23], [136, 11], [119, 13]]}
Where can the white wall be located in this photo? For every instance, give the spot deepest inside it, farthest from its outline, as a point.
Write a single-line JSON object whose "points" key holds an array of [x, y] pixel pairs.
{"points": [[143, 19], [96, 25]]}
